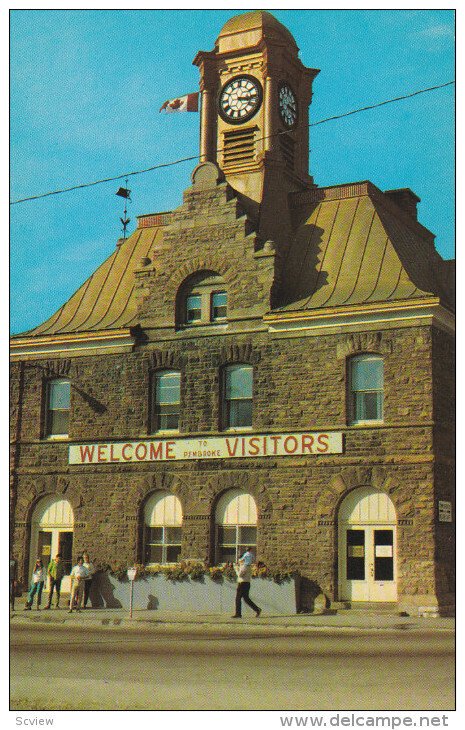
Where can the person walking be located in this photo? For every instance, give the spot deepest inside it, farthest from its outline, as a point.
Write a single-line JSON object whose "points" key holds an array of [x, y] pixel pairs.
{"points": [[37, 585], [87, 581], [56, 571], [244, 575], [78, 575]]}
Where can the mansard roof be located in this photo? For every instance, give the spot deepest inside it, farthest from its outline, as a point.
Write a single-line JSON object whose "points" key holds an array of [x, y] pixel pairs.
{"points": [[353, 245]]}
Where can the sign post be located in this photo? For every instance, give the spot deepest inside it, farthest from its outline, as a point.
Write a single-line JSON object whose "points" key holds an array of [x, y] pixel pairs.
{"points": [[132, 576]]}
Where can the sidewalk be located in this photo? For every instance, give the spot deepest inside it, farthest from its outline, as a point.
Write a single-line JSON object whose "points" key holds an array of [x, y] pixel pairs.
{"points": [[153, 619]]}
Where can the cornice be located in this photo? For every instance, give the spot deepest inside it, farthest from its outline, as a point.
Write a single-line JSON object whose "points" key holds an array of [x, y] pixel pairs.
{"points": [[73, 343], [425, 310]]}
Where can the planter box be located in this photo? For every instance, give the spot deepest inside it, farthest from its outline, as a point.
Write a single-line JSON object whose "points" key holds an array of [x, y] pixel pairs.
{"points": [[193, 596]]}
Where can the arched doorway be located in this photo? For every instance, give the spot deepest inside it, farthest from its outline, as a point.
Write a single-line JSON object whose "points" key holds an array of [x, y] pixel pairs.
{"points": [[367, 543], [52, 532]]}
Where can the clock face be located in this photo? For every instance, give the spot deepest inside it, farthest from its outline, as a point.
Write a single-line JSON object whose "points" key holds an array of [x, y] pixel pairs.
{"points": [[240, 98], [287, 104]]}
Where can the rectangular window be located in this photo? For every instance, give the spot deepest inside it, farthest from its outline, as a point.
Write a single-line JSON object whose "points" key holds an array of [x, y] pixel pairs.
{"points": [[162, 544], [219, 305], [384, 554], [58, 407], [233, 541], [367, 388], [193, 308], [167, 396], [237, 400], [355, 554]]}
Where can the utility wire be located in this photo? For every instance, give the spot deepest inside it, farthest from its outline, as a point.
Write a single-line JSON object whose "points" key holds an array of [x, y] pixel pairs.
{"points": [[195, 157]]}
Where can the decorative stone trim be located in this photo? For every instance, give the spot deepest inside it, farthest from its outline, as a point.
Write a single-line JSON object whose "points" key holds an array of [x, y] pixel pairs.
{"points": [[80, 525], [207, 263], [131, 518], [22, 523], [195, 518], [159, 359], [358, 342], [244, 352], [326, 523], [405, 522], [56, 368]]}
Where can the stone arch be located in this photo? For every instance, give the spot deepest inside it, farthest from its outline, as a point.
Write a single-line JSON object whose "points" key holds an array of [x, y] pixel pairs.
{"points": [[212, 263], [163, 359], [239, 352], [358, 343], [351, 478], [219, 484]]}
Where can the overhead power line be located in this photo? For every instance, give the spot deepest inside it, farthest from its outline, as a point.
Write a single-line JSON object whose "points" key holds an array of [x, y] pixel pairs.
{"points": [[195, 157]]}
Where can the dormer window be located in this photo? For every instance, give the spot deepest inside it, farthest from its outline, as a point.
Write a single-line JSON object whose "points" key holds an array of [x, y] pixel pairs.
{"points": [[202, 300], [219, 305], [193, 308]]}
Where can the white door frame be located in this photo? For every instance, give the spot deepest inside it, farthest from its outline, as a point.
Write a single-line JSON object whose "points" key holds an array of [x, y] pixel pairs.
{"points": [[52, 515], [367, 510]]}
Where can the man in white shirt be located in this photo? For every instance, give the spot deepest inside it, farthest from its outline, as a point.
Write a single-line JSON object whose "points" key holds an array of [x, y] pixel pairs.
{"points": [[78, 575], [244, 575]]}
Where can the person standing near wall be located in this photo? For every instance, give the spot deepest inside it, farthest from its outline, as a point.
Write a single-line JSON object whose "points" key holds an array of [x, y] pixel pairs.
{"points": [[37, 585], [87, 581], [12, 582], [56, 571], [78, 575]]}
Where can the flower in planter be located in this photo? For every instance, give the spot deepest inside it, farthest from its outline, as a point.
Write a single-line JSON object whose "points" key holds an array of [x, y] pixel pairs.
{"points": [[216, 573]]}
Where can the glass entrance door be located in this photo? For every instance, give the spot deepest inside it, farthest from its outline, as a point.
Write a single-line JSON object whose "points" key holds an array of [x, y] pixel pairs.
{"points": [[65, 547], [367, 563], [44, 548]]}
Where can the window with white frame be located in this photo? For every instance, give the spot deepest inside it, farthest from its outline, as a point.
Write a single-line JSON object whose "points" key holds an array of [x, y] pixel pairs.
{"points": [[166, 400], [366, 388], [236, 525], [162, 529], [237, 396], [58, 407], [202, 299]]}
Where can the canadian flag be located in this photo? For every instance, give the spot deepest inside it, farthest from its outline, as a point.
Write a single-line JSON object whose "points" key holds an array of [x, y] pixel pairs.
{"points": [[187, 103]]}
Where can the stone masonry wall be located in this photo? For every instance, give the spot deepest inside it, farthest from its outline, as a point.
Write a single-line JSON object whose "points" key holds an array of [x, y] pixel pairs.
{"points": [[299, 384]]}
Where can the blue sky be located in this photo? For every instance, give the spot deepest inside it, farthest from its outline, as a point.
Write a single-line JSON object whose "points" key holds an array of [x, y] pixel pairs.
{"points": [[86, 86]]}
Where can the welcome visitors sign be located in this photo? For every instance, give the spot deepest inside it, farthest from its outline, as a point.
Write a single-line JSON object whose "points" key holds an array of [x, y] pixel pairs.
{"points": [[227, 447]]}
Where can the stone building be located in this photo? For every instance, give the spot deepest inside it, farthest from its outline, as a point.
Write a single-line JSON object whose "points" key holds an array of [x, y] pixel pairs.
{"points": [[271, 364]]}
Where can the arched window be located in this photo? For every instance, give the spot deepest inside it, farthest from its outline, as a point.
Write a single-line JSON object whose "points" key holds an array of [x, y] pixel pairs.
{"points": [[236, 525], [366, 388], [166, 401], [237, 396], [202, 299], [58, 401], [162, 528]]}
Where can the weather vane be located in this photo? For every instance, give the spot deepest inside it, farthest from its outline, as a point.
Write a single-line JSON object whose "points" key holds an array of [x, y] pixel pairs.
{"points": [[126, 194]]}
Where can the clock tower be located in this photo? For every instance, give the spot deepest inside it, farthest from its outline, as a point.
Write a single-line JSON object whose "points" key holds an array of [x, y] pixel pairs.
{"points": [[254, 120]]}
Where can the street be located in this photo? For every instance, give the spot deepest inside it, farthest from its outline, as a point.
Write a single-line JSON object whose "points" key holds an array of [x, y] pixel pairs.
{"points": [[229, 668]]}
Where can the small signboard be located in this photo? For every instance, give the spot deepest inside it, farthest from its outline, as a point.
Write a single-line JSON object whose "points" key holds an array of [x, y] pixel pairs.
{"points": [[445, 511], [356, 551], [132, 573], [383, 551]]}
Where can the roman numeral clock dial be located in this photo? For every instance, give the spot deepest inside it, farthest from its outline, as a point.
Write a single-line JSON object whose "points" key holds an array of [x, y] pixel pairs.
{"points": [[240, 98], [287, 105]]}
